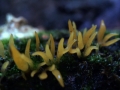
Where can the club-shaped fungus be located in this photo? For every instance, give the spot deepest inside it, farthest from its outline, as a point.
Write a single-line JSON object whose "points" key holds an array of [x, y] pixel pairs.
{"points": [[27, 49], [51, 44], [23, 62], [4, 66], [72, 28], [11, 41], [79, 43], [37, 41], [88, 33], [83, 41], [48, 57], [103, 40], [3, 69], [2, 51]]}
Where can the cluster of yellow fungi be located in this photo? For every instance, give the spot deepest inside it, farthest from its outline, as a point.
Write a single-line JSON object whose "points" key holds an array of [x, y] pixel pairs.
{"points": [[84, 41], [76, 43]]}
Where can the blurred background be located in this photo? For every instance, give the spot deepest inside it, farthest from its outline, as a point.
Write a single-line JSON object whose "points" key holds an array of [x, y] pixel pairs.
{"points": [[54, 14]]}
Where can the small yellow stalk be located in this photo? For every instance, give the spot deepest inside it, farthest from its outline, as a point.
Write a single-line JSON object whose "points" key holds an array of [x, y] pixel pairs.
{"points": [[107, 37], [70, 26], [88, 34], [58, 76], [76, 50], [51, 44], [33, 73], [101, 32], [48, 52], [2, 50], [60, 48], [110, 42], [38, 67], [43, 55], [70, 39], [51, 68], [84, 31], [89, 49], [80, 41], [90, 40], [37, 41], [43, 75], [75, 31], [28, 60], [4, 66], [27, 49], [21, 64], [11, 41]]}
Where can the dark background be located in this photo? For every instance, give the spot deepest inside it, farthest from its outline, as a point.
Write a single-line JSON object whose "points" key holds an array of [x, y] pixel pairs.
{"points": [[54, 14]]}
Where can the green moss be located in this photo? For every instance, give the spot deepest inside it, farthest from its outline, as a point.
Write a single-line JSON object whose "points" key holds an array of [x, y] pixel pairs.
{"points": [[84, 72]]}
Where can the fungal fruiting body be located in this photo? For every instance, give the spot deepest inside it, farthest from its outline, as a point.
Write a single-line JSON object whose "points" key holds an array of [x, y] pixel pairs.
{"points": [[80, 43]]}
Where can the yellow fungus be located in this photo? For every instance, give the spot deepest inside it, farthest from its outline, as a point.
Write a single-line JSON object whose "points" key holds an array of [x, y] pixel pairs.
{"points": [[89, 49], [37, 41], [88, 34], [2, 50], [21, 60], [52, 45], [4, 66], [74, 26], [103, 40], [43, 75], [70, 26], [51, 68], [41, 64], [76, 50], [11, 41], [43, 55], [33, 73], [36, 70], [69, 46], [48, 52], [90, 40], [28, 60], [58, 76], [21, 64], [107, 37], [60, 48], [74, 31], [70, 39], [101, 32], [27, 49], [80, 41], [111, 42], [84, 31]]}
